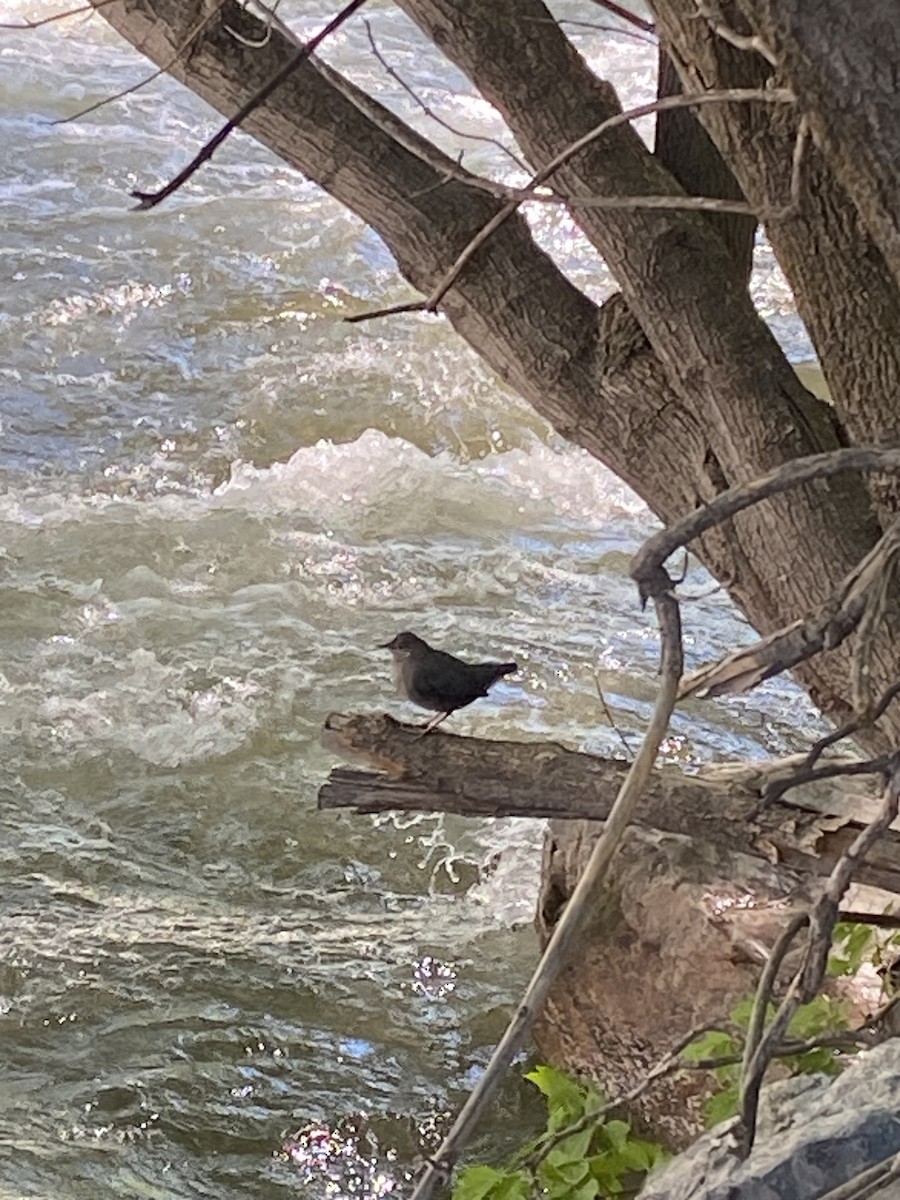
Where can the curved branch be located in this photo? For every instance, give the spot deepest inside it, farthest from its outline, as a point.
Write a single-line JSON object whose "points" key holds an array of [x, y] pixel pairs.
{"points": [[580, 906], [656, 549]]}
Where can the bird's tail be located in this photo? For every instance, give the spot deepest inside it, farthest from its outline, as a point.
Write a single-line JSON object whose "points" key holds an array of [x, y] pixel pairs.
{"points": [[501, 669]]}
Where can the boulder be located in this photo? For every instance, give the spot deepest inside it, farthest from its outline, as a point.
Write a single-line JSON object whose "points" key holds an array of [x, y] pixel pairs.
{"points": [[815, 1134]]}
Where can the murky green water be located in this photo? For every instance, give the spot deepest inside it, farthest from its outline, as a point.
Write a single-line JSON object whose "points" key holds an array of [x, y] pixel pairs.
{"points": [[217, 498]]}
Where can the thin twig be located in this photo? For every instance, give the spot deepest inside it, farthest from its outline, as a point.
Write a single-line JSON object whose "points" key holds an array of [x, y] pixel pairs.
{"points": [[629, 753], [769, 95], [740, 41], [429, 112], [878, 599], [648, 39], [766, 987], [269, 18], [868, 1182], [582, 903], [779, 787], [879, 920], [151, 199], [673, 1062], [826, 627], [726, 95], [851, 727], [625, 14], [135, 87], [669, 1063], [798, 159], [27, 23], [727, 504]]}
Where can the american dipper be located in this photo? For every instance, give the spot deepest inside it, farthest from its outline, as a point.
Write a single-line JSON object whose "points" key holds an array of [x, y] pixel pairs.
{"points": [[435, 680]]}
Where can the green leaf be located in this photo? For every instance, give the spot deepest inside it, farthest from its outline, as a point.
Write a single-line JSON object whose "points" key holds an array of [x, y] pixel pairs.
{"points": [[854, 944], [722, 1105], [715, 1043], [567, 1100], [478, 1183], [514, 1187], [558, 1087], [567, 1172], [820, 1061], [615, 1133], [585, 1191], [822, 1015], [743, 1010], [605, 1167], [574, 1147], [639, 1155]]}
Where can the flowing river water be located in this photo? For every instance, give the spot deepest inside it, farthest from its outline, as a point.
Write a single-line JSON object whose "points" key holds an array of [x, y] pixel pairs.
{"points": [[217, 498]]}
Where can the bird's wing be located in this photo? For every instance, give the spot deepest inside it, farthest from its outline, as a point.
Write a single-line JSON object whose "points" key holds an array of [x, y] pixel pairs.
{"points": [[448, 683]]}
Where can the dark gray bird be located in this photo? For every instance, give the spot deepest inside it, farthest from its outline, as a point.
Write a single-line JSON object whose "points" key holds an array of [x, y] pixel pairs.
{"points": [[438, 681]]}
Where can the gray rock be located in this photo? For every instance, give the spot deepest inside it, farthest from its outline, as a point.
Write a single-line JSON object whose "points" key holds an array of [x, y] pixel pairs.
{"points": [[814, 1134]]}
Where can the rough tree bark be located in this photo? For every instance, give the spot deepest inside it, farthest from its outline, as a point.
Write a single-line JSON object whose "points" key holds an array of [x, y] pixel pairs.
{"points": [[842, 60], [845, 291]]}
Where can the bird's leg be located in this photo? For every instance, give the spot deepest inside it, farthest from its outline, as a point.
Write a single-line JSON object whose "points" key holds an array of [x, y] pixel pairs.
{"points": [[434, 722]]}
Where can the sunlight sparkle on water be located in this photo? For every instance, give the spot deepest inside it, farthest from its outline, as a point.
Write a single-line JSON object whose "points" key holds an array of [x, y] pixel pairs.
{"points": [[331, 1158]]}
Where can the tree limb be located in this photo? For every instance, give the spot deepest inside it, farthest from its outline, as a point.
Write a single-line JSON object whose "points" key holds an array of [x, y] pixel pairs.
{"points": [[834, 620], [563, 940]]}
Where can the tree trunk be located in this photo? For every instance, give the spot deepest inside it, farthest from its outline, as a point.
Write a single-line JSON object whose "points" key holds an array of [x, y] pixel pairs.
{"points": [[844, 289], [842, 60]]}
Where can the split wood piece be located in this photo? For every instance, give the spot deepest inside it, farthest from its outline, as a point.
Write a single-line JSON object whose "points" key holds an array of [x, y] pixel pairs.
{"points": [[806, 831]]}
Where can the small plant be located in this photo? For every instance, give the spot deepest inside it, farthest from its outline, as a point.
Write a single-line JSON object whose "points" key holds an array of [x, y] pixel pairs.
{"points": [[821, 1018], [599, 1158], [582, 1155]]}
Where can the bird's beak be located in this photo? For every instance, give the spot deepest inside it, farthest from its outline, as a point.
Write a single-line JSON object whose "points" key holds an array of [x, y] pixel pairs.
{"points": [[385, 645]]}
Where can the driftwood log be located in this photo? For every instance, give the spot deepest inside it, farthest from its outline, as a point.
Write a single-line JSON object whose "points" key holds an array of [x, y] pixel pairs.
{"points": [[702, 885]]}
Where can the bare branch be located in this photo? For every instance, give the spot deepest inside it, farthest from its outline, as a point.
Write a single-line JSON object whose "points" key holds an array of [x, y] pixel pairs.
{"points": [[135, 87], [628, 751], [27, 23], [580, 906], [666, 1065], [797, 160], [878, 598], [869, 1182], [854, 726], [864, 1035], [858, 600], [741, 41], [808, 978], [151, 199], [729, 503], [724, 96], [878, 920], [648, 39], [626, 14], [779, 787], [766, 987], [269, 19], [429, 112]]}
